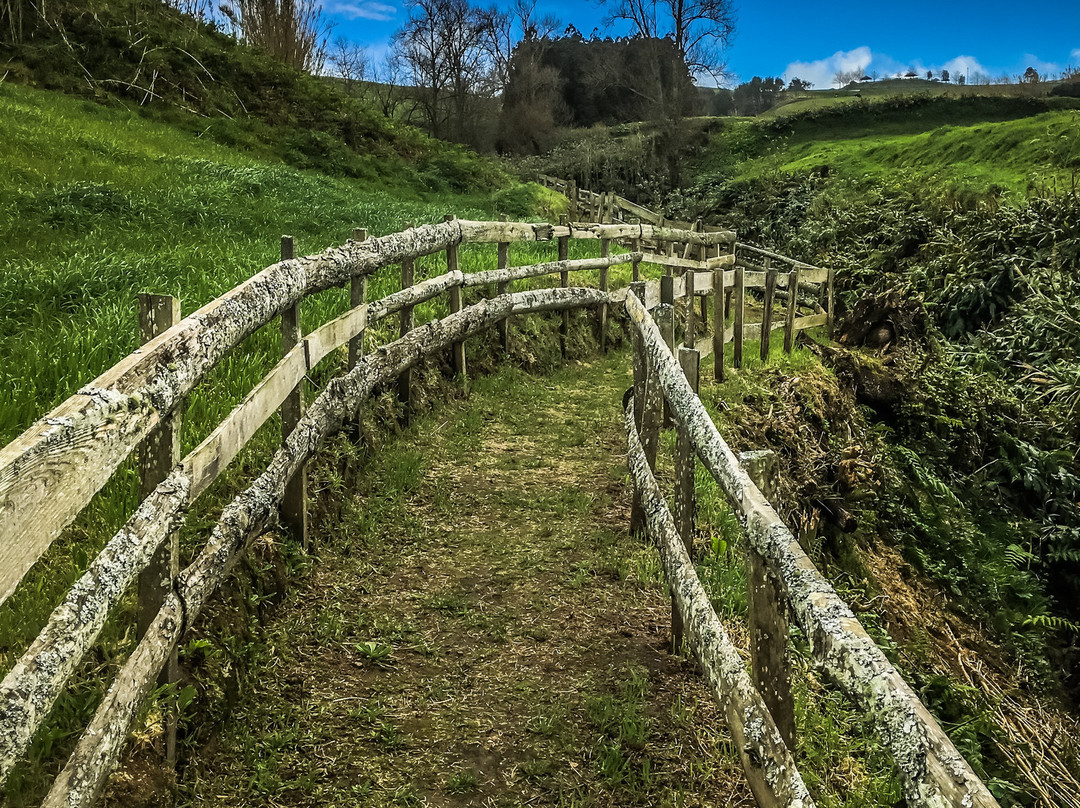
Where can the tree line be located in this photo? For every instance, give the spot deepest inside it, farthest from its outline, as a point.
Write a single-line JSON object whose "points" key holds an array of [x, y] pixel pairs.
{"points": [[498, 77]]}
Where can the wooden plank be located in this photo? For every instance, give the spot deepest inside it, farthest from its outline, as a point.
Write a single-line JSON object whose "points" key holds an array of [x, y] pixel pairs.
{"points": [[719, 285], [725, 261], [537, 270], [931, 771], [602, 314], [294, 516], [685, 499], [690, 328], [458, 349], [494, 232], [811, 321], [157, 456], [766, 312], [672, 261], [502, 288], [564, 282], [634, 209], [769, 765], [739, 304], [357, 297], [792, 309], [637, 514], [769, 662], [207, 460], [775, 256], [405, 325]]}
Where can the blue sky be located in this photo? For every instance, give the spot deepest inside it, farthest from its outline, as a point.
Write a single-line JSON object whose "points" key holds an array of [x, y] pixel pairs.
{"points": [[790, 38]]}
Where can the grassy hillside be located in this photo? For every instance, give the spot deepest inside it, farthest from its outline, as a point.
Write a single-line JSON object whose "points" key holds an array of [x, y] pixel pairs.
{"points": [[976, 144], [792, 103], [147, 57]]}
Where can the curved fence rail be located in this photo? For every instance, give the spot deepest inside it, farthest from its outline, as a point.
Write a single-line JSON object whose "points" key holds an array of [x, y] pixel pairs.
{"points": [[782, 580]]}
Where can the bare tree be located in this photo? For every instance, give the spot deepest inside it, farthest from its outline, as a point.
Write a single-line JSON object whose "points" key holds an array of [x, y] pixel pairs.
{"points": [[700, 29], [504, 30], [293, 31], [441, 48], [349, 61], [386, 86]]}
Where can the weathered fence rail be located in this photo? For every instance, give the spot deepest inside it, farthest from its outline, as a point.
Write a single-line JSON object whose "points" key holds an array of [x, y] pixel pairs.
{"points": [[744, 267], [932, 772]]}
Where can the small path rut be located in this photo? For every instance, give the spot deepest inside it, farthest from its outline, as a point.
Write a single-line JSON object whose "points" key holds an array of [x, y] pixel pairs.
{"points": [[479, 629]]}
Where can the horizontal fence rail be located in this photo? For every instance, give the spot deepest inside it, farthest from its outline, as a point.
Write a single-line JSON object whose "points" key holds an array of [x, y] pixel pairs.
{"points": [[932, 772]]}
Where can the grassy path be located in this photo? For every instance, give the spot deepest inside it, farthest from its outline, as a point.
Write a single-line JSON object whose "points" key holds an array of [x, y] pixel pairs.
{"points": [[480, 629]]}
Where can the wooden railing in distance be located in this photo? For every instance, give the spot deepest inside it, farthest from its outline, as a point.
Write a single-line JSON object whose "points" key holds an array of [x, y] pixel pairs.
{"points": [[932, 772], [757, 261], [135, 398]]}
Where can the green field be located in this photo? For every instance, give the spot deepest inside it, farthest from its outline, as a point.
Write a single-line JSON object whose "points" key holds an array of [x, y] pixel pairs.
{"points": [[940, 144]]}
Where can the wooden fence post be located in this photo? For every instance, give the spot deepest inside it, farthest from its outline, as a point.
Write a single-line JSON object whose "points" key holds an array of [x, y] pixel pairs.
{"points": [[771, 669], [719, 324], [792, 309], [605, 251], [766, 314], [685, 500], [408, 278], [294, 503], [503, 288], [635, 246], [830, 302], [641, 364], [690, 330], [703, 255], [664, 315], [564, 282], [357, 297], [740, 311], [572, 193], [157, 456], [452, 265]]}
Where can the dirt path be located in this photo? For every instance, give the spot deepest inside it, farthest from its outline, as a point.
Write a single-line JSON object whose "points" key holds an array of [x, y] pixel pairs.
{"points": [[480, 629]]}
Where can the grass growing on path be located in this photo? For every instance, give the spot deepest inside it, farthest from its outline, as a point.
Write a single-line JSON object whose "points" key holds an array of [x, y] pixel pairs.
{"points": [[480, 629]]}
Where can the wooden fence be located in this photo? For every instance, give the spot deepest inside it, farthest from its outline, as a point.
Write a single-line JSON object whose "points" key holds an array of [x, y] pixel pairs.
{"points": [[782, 581], [52, 471], [775, 277]]}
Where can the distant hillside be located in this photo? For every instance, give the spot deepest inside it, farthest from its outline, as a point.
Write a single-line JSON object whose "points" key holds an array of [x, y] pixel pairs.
{"points": [[146, 56], [977, 143]]}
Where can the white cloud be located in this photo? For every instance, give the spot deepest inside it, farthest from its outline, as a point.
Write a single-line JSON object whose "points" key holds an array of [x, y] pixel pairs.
{"points": [[367, 10], [1044, 68], [881, 66], [967, 66], [821, 72]]}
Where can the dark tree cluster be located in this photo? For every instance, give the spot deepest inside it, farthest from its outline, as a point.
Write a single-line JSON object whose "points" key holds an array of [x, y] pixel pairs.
{"points": [[578, 82]]}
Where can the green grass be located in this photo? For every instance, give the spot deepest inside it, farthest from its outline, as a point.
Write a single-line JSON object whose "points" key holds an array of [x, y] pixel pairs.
{"points": [[976, 144]]}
